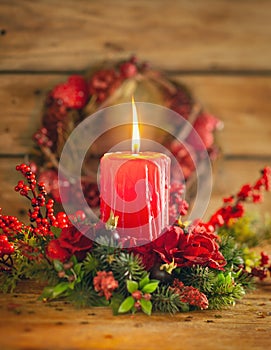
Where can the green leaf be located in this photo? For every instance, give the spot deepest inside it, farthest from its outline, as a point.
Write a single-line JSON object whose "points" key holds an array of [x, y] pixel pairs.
{"points": [[77, 268], [115, 302], [59, 289], [74, 260], [150, 287], [228, 279], [58, 265], [144, 281], [146, 306], [56, 231], [132, 286], [126, 305], [220, 278], [184, 307], [90, 264], [46, 293]]}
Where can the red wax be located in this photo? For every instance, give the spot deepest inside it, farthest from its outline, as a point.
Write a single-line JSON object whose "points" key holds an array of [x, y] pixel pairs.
{"points": [[135, 187]]}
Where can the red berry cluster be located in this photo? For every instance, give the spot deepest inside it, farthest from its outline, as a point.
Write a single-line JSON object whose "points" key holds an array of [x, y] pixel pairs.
{"points": [[104, 82], [265, 267], [6, 247], [181, 102], [233, 207], [36, 193], [73, 93], [42, 139], [138, 295], [10, 225], [190, 295], [184, 158], [177, 205]]}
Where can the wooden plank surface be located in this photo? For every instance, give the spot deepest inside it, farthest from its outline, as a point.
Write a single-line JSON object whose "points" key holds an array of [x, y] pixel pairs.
{"points": [[179, 35], [26, 323], [242, 103]]}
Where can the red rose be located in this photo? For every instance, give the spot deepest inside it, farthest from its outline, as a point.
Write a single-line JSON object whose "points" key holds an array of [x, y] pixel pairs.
{"points": [[196, 246], [55, 251], [70, 242], [74, 241]]}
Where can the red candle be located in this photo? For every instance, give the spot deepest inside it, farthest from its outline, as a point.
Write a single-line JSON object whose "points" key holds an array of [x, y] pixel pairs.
{"points": [[134, 186]]}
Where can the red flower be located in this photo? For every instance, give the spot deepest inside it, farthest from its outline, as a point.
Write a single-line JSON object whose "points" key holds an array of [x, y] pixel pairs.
{"points": [[196, 246], [55, 251], [74, 241], [70, 242], [105, 283]]}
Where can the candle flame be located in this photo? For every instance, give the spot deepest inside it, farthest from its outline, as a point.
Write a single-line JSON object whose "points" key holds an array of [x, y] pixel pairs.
{"points": [[136, 135]]}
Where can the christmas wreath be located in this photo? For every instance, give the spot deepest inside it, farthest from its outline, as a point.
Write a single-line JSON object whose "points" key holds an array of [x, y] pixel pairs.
{"points": [[69, 103], [189, 266]]}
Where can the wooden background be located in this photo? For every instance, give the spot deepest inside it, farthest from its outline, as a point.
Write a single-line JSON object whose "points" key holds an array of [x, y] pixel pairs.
{"points": [[219, 48]]}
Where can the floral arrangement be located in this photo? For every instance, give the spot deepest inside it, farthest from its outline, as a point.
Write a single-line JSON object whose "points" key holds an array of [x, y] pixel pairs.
{"points": [[196, 265], [69, 103]]}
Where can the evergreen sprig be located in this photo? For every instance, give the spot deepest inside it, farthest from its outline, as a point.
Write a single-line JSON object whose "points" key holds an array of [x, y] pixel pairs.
{"points": [[83, 295], [166, 300], [231, 251], [127, 266], [225, 291], [198, 277]]}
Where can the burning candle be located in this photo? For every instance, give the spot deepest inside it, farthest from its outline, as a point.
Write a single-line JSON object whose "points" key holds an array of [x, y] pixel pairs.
{"points": [[134, 186]]}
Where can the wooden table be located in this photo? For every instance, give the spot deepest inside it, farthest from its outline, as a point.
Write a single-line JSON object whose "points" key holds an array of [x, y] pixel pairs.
{"points": [[222, 51], [26, 323]]}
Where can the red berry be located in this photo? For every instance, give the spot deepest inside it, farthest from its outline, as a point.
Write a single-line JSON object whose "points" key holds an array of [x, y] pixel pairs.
{"points": [[137, 295], [128, 70], [147, 296], [137, 305], [73, 93]]}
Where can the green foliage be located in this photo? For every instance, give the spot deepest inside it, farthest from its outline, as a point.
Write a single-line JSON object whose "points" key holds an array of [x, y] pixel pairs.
{"points": [[132, 286], [231, 251], [104, 252], [146, 306], [225, 291], [24, 268], [248, 230], [166, 300], [125, 267], [199, 277], [142, 289], [126, 305], [115, 303], [222, 288], [90, 264], [84, 296]]}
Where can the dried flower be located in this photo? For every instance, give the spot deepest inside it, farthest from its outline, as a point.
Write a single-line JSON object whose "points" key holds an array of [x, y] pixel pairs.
{"points": [[105, 283]]}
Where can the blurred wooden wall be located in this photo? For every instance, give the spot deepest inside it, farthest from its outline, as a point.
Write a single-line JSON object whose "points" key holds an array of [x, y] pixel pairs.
{"points": [[221, 49]]}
